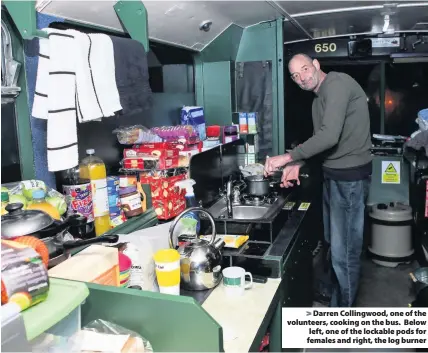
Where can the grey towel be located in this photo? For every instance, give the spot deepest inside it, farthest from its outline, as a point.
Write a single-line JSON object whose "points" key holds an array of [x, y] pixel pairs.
{"points": [[132, 75], [419, 141]]}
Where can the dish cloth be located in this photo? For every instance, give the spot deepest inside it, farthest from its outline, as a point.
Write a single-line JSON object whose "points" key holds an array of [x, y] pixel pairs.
{"points": [[70, 84], [132, 75], [419, 141]]}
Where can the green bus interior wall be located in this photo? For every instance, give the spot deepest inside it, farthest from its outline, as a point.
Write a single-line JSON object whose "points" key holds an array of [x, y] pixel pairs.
{"points": [[214, 89], [170, 323]]}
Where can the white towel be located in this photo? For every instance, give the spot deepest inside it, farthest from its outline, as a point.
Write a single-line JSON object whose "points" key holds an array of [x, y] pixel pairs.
{"points": [[75, 78], [104, 73]]}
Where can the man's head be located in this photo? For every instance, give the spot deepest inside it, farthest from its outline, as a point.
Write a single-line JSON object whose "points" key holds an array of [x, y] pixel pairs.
{"points": [[305, 71]]}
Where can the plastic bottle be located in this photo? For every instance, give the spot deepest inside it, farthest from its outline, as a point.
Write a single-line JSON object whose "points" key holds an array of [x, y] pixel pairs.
{"points": [[94, 169], [39, 203], [190, 224], [4, 202]]}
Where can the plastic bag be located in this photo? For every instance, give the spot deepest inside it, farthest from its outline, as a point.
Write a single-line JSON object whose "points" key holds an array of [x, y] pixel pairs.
{"points": [[136, 134], [422, 120], [22, 191], [105, 336]]}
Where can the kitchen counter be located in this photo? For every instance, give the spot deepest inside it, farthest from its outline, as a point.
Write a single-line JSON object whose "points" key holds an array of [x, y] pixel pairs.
{"points": [[242, 317]]}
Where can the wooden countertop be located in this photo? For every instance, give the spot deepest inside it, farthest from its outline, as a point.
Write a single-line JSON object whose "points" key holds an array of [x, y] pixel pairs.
{"points": [[241, 317]]}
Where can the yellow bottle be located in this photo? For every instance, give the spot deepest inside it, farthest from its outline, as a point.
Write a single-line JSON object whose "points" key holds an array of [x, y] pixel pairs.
{"points": [[94, 169], [39, 203]]}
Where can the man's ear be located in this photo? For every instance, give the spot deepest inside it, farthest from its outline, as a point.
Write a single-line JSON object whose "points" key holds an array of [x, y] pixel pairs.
{"points": [[316, 63]]}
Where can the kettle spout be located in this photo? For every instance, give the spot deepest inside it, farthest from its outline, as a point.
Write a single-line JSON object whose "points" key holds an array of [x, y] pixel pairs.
{"points": [[219, 243]]}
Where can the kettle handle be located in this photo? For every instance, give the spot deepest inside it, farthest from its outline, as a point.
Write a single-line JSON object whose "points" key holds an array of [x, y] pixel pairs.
{"points": [[192, 209]]}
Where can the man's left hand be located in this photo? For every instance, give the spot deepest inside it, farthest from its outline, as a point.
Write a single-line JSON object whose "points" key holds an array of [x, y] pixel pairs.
{"points": [[290, 172]]}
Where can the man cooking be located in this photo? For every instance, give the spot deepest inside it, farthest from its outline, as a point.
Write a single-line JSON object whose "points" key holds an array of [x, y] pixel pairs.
{"points": [[341, 122]]}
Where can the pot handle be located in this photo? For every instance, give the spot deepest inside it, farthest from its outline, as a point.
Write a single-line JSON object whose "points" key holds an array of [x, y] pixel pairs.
{"points": [[101, 239], [192, 209]]}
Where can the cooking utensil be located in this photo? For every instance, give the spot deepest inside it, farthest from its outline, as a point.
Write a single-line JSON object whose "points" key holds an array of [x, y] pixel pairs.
{"points": [[200, 260], [19, 222], [59, 252]]}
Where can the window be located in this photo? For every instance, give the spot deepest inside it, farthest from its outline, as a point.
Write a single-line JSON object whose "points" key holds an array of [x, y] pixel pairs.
{"points": [[406, 93]]}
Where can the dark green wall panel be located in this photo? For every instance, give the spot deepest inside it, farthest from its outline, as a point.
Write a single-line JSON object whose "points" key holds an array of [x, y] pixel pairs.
{"points": [[217, 81]]}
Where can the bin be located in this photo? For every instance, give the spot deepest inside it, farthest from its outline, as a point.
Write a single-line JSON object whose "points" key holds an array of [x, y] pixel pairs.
{"points": [[391, 234]]}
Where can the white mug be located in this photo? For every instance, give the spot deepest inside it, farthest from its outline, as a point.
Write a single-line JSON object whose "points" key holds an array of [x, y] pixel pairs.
{"points": [[234, 280]]}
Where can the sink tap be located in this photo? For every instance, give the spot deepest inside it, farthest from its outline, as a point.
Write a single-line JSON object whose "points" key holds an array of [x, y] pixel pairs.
{"points": [[229, 195]]}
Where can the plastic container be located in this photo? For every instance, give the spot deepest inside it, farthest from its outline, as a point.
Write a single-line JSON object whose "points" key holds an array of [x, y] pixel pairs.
{"points": [[39, 203], [50, 324], [190, 223], [94, 169]]}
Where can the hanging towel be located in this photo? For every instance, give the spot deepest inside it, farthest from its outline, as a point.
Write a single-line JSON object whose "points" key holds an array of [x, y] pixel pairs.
{"points": [[132, 75], [74, 79], [97, 95]]}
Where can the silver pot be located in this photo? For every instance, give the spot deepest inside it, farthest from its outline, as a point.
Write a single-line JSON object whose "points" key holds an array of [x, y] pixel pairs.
{"points": [[200, 260]]}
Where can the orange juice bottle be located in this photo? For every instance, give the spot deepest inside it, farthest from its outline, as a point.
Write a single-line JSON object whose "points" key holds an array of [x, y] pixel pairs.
{"points": [[94, 169]]}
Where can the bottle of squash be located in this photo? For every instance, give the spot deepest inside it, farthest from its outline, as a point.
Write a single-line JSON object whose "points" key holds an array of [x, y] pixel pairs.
{"points": [[39, 203], [94, 169]]}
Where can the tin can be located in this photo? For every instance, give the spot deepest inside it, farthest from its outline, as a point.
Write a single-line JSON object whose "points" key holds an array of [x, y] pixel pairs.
{"points": [[79, 200]]}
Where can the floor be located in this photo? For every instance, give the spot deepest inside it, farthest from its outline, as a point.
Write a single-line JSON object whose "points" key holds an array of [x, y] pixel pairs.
{"points": [[384, 286], [380, 287]]}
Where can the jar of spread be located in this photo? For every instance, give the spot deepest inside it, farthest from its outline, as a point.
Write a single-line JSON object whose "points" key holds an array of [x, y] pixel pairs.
{"points": [[131, 201]]}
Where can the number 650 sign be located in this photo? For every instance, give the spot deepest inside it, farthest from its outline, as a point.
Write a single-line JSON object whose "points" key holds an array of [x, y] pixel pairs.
{"points": [[325, 47]]}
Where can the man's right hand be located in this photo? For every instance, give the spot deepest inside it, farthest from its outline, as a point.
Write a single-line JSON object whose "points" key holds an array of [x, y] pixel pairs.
{"points": [[273, 163]]}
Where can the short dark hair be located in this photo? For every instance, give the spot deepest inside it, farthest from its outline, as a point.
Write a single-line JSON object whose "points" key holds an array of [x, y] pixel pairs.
{"points": [[300, 54]]}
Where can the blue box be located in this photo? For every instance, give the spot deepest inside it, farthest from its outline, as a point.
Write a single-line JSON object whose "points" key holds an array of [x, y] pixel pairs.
{"points": [[195, 117]]}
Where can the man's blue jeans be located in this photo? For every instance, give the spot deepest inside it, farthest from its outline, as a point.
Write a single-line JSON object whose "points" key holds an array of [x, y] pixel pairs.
{"points": [[343, 216]]}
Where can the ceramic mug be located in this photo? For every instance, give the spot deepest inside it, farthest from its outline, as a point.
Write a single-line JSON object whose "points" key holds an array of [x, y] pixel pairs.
{"points": [[234, 280]]}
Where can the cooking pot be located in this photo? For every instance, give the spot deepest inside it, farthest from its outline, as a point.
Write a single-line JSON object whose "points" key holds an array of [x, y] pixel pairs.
{"points": [[258, 185], [18, 222]]}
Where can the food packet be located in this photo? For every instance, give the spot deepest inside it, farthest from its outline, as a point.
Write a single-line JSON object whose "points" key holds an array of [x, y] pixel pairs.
{"points": [[104, 336], [136, 134]]}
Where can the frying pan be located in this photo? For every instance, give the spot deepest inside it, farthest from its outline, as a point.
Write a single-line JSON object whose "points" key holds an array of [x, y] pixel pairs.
{"points": [[61, 251]]}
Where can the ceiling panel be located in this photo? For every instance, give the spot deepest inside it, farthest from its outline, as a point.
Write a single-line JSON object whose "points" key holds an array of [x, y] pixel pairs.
{"points": [[339, 23], [178, 22], [291, 33], [296, 7], [244, 13]]}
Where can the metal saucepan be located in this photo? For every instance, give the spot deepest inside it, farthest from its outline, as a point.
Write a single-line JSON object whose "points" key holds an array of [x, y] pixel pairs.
{"points": [[258, 185]]}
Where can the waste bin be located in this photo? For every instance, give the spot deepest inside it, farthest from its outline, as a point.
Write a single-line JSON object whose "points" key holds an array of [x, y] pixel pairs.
{"points": [[391, 234]]}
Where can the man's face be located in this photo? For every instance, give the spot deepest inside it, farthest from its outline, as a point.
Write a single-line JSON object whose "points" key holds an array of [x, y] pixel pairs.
{"points": [[304, 72]]}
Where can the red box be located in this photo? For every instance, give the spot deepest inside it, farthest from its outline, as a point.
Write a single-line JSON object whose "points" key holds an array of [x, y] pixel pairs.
{"points": [[150, 163], [168, 200], [162, 150]]}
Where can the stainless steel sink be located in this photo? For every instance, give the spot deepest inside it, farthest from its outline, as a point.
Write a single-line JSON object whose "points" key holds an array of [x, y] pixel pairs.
{"points": [[245, 212], [219, 211]]}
